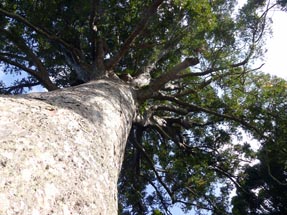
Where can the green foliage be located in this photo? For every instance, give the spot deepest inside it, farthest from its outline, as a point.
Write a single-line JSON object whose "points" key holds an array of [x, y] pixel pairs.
{"points": [[190, 151], [157, 212], [264, 185]]}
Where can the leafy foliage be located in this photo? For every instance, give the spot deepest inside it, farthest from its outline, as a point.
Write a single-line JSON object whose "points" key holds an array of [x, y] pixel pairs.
{"points": [[264, 185], [185, 148]]}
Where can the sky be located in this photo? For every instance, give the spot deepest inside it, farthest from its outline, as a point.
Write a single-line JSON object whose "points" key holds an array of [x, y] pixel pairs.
{"points": [[276, 56], [275, 62]]}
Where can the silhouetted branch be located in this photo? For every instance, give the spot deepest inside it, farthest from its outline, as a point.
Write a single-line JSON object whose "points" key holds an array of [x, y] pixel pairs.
{"points": [[159, 82], [160, 196], [146, 16], [9, 90], [149, 160]]}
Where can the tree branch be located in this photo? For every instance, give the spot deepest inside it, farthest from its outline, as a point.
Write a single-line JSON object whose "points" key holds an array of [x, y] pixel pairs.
{"points": [[149, 160], [159, 82], [146, 16], [229, 176], [98, 44], [170, 108], [160, 196], [99, 59], [42, 75], [194, 204], [187, 124], [35, 28], [19, 86], [269, 170], [11, 55], [21, 44], [20, 66], [192, 91], [167, 47], [46, 83], [211, 203], [161, 53], [263, 17], [93, 27], [75, 52], [193, 107], [212, 70]]}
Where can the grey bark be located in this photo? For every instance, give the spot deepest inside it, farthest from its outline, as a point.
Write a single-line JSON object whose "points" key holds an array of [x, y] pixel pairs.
{"points": [[61, 152]]}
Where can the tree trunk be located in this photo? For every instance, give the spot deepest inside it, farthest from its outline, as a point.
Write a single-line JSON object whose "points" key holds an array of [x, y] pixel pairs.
{"points": [[61, 152]]}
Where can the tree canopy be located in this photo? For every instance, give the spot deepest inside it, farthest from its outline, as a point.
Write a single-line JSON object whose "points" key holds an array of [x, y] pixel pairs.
{"points": [[264, 185], [191, 64]]}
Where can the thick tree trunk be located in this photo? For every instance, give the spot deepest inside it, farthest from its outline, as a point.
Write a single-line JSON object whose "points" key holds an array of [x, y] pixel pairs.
{"points": [[61, 152]]}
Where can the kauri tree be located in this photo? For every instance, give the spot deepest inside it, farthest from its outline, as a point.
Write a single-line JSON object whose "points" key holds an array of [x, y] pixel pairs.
{"points": [[161, 90], [264, 185]]}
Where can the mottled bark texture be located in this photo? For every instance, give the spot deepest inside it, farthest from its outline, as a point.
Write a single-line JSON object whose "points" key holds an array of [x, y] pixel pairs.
{"points": [[61, 152]]}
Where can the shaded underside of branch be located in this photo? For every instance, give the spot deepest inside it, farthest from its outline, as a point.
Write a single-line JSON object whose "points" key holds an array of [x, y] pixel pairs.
{"points": [[159, 82]]}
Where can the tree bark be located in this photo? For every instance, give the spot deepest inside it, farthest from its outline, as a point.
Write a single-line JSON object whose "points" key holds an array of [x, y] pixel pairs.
{"points": [[61, 152]]}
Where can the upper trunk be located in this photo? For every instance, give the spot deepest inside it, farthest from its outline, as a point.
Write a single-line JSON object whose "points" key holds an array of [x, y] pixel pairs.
{"points": [[61, 152]]}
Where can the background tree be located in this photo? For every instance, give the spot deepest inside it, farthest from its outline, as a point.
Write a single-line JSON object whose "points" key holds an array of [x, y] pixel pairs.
{"points": [[189, 64], [265, 184]]}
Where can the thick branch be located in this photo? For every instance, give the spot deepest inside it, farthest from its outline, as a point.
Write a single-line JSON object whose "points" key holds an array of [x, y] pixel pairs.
{"points": [[20, 66], [100, 55], [192, 91], [165, 48], [45, 82], [42, 75], [194, 204], [159, 82], [170, 108], [146, 16], [21, 44], [193, 107], [187, 124], [97, 42], [151, 65], [76, 52], [172, 74], [35, 28], [93, 27], [212, 70]]}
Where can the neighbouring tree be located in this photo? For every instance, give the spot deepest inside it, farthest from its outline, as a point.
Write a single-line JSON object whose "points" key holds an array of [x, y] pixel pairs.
{"points": [[264, 185], [161, 90]]}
